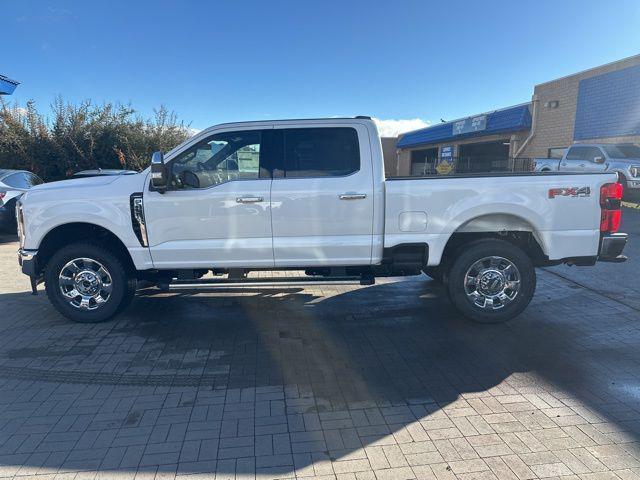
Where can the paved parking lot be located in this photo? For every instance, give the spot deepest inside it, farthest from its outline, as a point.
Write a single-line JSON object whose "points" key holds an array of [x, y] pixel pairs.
{"points": [[353, 383]]}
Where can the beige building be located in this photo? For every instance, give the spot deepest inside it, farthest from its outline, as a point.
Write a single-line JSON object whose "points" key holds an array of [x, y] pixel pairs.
{"points": [[601, 105]]}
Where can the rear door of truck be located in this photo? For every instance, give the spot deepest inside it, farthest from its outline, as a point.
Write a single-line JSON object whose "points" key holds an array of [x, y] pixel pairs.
{"points": [[322, 195]]}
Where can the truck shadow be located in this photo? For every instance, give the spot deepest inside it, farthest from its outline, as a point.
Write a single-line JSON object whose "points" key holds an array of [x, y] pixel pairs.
{"points": [[327, 373]]}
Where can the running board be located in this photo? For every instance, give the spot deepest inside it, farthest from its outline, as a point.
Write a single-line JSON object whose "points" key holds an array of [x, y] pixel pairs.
{"points": [[265, 282]]}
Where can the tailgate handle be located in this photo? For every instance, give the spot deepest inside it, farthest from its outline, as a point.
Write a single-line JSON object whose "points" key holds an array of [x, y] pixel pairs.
{"points": [[353, 196], [249, 199]]}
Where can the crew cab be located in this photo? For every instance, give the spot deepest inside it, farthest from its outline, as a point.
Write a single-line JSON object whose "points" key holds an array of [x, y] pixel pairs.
{"points": [[308, 196], [622, 158]]}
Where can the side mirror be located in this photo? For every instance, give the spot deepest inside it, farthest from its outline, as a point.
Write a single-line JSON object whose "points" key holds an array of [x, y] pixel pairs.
{"points": [[598, 159], [159, 177]]}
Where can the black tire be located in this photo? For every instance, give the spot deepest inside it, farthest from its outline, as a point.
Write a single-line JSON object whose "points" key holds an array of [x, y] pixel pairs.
{"points": [[122, 283], [467, 256], [436, 273], [129, 294]]}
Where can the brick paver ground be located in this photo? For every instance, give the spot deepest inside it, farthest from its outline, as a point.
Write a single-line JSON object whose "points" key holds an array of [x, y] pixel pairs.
{"points": [[382, 382]]}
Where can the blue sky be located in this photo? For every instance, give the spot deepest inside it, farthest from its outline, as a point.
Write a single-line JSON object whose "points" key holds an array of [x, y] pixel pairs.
{"points": [[220, 61]]}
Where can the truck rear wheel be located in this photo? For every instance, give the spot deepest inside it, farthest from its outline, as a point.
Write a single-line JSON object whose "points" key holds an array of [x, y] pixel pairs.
{"points": [[491, 281], [87, 283]]}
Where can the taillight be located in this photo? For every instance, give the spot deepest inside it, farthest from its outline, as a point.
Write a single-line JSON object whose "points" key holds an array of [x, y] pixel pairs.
{"points": [[2, 195], [610, 202]]}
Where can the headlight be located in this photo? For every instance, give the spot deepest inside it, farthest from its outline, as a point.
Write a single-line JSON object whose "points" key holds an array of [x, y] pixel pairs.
{"points": [[635, 171]]}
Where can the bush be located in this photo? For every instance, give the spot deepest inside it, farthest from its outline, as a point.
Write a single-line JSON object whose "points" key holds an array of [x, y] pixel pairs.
{"points": [[84, 136]]}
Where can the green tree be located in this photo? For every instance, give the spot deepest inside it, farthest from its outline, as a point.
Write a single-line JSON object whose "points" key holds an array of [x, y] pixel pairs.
{"points": [[83, 136]]}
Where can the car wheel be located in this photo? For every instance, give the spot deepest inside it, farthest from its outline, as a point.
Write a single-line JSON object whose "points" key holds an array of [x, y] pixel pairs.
{"points": [[87, 283], [491, 281]]}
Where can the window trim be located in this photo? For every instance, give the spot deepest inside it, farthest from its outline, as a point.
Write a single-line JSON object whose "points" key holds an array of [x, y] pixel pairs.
{"points": [[284, 128]]}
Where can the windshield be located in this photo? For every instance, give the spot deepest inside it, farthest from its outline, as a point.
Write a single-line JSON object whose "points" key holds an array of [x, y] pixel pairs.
{"points": [[622, 151]]}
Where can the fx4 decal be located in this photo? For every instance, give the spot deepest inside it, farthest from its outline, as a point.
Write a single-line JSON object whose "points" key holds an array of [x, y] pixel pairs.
{"points": [[570, 192]]}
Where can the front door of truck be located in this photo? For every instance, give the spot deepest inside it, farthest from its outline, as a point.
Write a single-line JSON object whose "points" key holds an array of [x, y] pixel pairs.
{"points": [[322, 196], [216, 212]]}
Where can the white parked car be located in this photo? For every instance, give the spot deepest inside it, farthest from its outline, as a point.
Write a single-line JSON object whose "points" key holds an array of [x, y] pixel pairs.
{"points": [[309, 195], [13, 183]]}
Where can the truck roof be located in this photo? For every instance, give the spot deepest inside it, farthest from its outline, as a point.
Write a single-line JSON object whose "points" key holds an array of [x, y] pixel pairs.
{"points": [[288, 120]]}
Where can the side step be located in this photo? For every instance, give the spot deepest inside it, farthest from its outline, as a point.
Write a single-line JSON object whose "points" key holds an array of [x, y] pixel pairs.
{"points": [[265, 282]]}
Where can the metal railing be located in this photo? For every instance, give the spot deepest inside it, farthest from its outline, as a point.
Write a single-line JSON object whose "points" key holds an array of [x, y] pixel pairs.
{"points": [[479, 165]]}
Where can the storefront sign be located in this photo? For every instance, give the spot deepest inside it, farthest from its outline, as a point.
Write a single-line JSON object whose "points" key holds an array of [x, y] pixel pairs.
{"points": [[446, 152], [470, 125], [444, 167]]}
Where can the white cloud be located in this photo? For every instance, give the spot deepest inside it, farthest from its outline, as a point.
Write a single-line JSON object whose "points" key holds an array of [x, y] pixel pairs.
{"points": [[394, 127]]}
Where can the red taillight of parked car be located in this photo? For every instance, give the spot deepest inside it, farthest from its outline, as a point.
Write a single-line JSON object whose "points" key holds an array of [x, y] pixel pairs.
{"points": [[2, 195], [610, 202]]}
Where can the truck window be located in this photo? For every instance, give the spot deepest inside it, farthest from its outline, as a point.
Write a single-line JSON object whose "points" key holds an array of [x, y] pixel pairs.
{"points": [[584, 153], [220, 158], [320, 152]]}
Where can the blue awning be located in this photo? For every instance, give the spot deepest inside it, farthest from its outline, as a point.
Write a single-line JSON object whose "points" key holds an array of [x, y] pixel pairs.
{"points": [[7, 86], [506, 120]]}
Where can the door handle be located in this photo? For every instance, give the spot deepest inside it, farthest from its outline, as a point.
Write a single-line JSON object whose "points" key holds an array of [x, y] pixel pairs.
{"points": [[581, 165], [249, 199], [353, 196]]}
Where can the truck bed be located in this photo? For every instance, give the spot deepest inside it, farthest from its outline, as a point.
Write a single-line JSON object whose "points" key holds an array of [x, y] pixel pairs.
{"points": [[431, 209]]}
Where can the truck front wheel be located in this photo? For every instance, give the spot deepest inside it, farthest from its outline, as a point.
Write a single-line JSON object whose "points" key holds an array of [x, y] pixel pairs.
{"points": [[87, 283], [491, 281]]}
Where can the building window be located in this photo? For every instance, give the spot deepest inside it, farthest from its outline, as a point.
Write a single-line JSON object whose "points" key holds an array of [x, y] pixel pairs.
{"points": [[423, 162]]}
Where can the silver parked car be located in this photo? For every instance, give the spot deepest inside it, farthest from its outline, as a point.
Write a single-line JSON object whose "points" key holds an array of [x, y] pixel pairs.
{"points": [[622, 158], [13, 183]]}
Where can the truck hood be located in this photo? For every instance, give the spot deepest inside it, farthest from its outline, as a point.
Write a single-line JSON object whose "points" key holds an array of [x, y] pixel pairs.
{"points": [[634, 161], [76, 183]]}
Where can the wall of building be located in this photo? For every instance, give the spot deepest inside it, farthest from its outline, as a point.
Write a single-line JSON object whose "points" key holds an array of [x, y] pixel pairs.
{"points": [[390, 155], [608, 101]]}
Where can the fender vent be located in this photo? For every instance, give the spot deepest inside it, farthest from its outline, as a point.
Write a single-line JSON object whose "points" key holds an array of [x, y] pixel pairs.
{"points": [[137, 218]]}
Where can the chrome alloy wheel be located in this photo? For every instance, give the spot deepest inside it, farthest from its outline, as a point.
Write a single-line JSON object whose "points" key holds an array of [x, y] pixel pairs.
{"points": [[85, 283], [492, 283]]}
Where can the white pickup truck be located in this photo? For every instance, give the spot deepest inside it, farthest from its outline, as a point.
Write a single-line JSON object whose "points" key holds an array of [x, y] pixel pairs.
{"points": [[308, 195]]}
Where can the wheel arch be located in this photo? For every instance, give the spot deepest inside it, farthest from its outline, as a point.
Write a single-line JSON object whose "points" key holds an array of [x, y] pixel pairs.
{"points": [[78, 231], [504, 226]]}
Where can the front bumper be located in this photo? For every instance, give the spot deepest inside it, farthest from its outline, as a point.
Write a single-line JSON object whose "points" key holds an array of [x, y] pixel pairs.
{"points": [[611, 247], [28, 260]]}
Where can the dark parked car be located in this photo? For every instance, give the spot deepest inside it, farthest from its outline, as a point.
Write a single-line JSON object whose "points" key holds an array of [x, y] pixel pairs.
{"points": [[13, 183], [102, 172]]}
